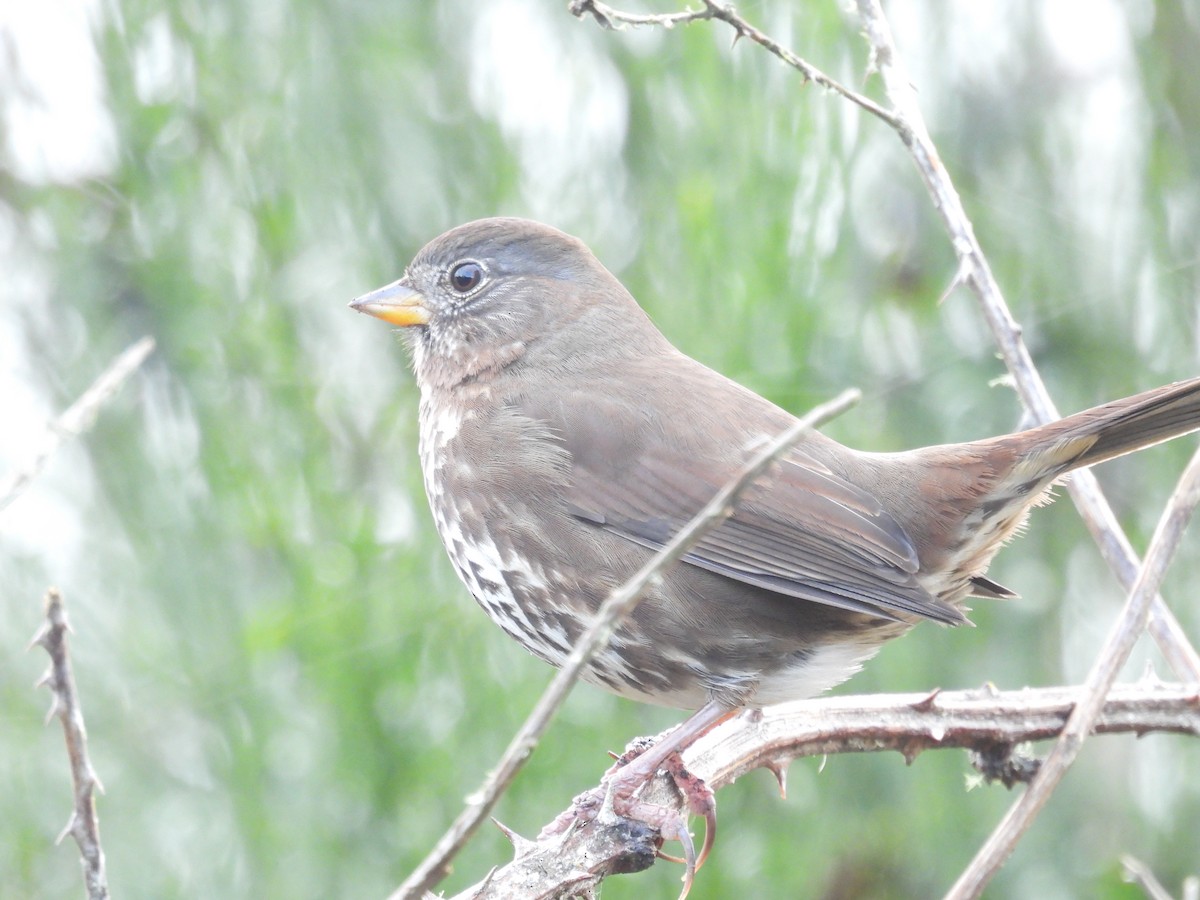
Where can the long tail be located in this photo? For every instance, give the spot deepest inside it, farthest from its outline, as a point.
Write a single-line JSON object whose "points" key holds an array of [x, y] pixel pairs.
{"points": [[1023, 465], [1120, 427]]}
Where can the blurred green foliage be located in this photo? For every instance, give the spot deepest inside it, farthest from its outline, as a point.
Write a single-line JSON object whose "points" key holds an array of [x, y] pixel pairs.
{"points": [[287, 691]]}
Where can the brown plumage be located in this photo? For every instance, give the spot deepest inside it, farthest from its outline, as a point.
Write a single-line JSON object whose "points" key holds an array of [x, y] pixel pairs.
{"points": [[563, 440]]}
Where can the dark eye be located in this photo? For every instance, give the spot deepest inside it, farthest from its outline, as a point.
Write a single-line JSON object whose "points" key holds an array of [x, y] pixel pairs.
{"points": [[466, 276]]}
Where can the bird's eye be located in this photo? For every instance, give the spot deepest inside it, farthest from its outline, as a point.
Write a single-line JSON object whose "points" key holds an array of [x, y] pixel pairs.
{"points": [[465, 277]]}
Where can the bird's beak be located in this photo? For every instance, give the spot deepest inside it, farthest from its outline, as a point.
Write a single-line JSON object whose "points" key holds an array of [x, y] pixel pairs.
{"points": [[397, 303]]}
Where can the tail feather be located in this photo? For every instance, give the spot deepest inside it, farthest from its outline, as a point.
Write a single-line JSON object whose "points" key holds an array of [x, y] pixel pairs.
{"points": [[1123, 426], [1016, 471]]}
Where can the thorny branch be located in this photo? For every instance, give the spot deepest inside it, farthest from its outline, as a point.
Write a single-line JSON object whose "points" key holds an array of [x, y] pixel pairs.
{"points": [[987, 722], [83, 825]]}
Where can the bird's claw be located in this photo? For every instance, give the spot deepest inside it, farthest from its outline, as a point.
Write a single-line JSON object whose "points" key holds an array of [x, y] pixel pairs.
{"points": [[671, 824], [700, 801]]}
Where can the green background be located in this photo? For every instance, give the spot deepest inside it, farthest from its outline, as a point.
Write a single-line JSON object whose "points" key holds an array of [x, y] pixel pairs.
{"points": [[287, 690]]}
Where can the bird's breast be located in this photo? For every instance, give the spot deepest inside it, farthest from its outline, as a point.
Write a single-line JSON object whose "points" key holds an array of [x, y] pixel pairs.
{"points": [[490, 477]]}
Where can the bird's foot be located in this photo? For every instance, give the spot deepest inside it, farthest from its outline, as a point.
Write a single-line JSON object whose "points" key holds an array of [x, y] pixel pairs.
{"points": [[625, 781], [620, 790]]}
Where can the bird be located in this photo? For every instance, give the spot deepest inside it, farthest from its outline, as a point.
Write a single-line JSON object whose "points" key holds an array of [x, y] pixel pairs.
{"points": [[564, 440]]}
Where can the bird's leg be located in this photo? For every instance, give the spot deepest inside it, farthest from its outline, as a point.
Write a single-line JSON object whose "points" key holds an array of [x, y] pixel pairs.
{"points": [[700, 802], [628, 780]]}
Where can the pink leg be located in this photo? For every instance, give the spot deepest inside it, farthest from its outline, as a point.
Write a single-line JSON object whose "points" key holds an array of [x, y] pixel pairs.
{"points": [[630, 778]]}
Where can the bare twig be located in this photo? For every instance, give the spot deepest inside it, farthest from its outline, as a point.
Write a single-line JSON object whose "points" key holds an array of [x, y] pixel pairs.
{"points": [[619, 604], [617, 19], [711, 9], [77, 419], [975, 272], [1117, 647], [985, 721], [1140, 874], [83, 825]]}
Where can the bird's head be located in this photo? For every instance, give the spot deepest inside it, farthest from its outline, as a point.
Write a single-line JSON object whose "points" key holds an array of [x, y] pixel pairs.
{"points": [[484, 295]]}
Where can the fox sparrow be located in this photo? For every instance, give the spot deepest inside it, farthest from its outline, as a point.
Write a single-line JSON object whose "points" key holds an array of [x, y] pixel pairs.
{"points": [[563, 440]]}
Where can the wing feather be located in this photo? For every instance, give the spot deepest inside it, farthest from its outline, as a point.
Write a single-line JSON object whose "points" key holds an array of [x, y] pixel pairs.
{"points": [[803, 532]]}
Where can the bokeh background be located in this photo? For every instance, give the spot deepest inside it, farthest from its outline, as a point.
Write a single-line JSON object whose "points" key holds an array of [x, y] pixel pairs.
{"points": [[288, 693]]}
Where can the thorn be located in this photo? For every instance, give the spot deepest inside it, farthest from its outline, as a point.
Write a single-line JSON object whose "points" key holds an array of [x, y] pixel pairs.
{"points": [[928, 702], [487, 879], [1150, 676], [521, 845], [959, 279], [54, 710], [779, 770], [71, 823], [39, 637]]}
